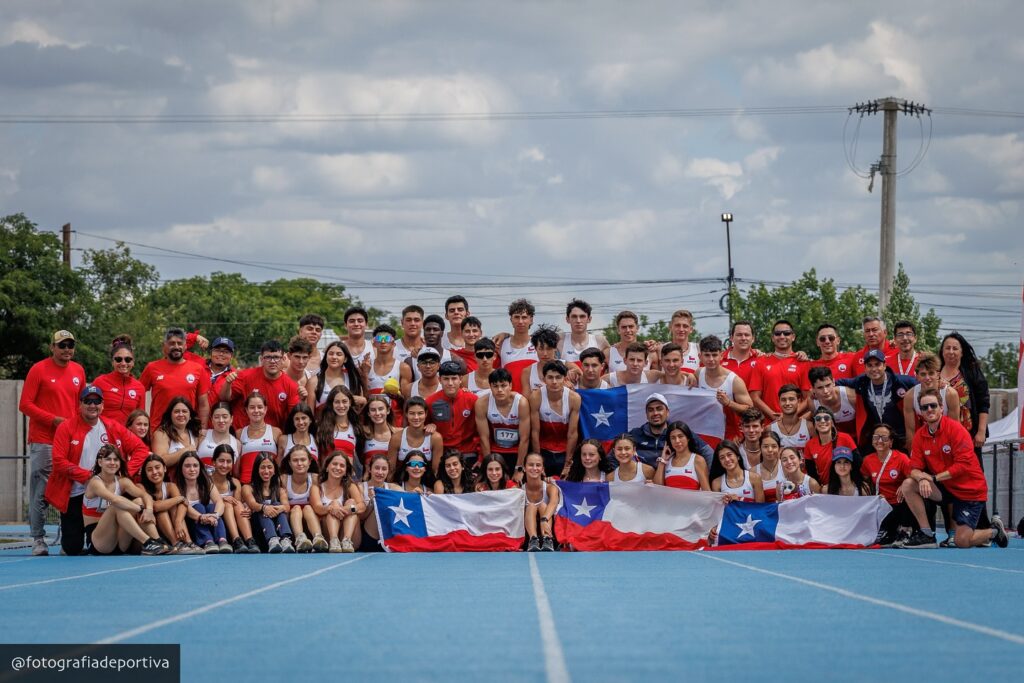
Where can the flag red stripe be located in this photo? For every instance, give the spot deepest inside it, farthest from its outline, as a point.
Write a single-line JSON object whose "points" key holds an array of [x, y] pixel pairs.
{"points": [[454, 542], [601, 535]]}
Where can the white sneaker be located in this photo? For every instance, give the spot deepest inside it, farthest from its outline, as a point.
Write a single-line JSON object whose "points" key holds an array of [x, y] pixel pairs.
{"points": [[335, 546], [286, 545], [39, 547], [319, 544], [303, 544], [274, 545], [346, 546]]}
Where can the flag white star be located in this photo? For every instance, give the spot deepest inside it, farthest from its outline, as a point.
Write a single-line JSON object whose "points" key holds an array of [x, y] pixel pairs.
{"points": [[401, 513], [601, 417], [748, 527], [584, 509]]}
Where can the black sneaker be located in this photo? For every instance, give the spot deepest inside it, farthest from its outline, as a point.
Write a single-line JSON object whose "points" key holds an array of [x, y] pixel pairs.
{"points": [[883, 539], [920, 539], [950, 541], [1001, 539], [548, 545], [154, 547], [902, 536], [534, 545], [238, 546], [252, 547]]}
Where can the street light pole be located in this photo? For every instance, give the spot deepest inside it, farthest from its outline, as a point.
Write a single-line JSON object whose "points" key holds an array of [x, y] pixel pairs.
{"points": [[730, 280]]}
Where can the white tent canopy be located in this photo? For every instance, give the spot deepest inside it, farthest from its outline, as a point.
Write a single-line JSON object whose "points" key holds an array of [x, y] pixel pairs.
{"points": [[1005, 429]]}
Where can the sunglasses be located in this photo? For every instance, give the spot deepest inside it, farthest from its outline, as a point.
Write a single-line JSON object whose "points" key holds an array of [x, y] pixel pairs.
{"points": [[880, 438], [66, 344], [822, 418], [484, 354], [383, 339], [123, 359], [415, 463], [92, 401], [904, 335], [827, 338], [782, 333], [929, 406]]}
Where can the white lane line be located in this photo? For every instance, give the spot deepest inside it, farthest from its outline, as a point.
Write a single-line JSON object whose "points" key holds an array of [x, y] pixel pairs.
{"points": [[153, 625], [955, 564], [554, 658], [99, 573], [23, 559], [925, 614]]}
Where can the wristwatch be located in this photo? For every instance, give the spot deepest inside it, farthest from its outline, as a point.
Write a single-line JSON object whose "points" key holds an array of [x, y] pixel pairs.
{"points": [[543, 519], [519, 468]]}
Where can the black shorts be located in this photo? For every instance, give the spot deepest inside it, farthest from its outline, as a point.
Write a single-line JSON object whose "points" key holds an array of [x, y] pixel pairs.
{"points": [[965, 512], [90, 549], [554, 462]]}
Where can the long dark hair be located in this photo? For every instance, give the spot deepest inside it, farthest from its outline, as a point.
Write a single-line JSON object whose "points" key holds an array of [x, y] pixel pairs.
{"points": [[465, 480], [505, 475], [825, 410], [678, 425], [328, 420], [193, 426], [968, 358], [577, 471], [349, 477], [401, 471], [855, 476], [146, 483], [716, 465], [355, 382], [275, 479], [203, 483], [122, 470], [303, 408], [366, 423], [226, 405]]}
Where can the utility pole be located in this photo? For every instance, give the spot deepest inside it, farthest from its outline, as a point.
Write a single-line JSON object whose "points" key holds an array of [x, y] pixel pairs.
{"points": [[65, 233], [886, 167], [731, 278]]}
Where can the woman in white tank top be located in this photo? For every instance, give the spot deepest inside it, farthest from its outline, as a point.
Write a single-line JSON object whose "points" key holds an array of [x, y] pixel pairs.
{"points": [[729, 477], [629, 470], [298, 431], [220, 433]]}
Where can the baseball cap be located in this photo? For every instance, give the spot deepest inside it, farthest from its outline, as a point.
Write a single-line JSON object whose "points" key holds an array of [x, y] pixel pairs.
{"points": [[874, 354], [61, 335], [90, 390], [223, 341], [842, 453], [656, 397], [450, 367], [428, 354]]}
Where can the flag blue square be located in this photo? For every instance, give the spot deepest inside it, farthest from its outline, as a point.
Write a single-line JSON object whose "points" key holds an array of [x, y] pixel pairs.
{"points": [[604, 413], [748, 523], [400, 514], [583, 503]]}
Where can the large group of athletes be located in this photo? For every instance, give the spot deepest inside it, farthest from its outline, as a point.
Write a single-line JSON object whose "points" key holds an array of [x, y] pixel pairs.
{"points": [[285, 456]]}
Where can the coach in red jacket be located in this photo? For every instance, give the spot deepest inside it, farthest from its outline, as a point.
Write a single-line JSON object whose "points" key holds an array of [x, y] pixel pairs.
{"points": [[945, 470], [75, 445]]}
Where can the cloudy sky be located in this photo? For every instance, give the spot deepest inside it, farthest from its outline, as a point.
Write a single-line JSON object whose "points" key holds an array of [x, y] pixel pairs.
{"points": [[541, 201]]}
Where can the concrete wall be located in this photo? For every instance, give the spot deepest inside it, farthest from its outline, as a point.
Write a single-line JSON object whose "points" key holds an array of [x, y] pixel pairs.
{"points": [[12, 442]]}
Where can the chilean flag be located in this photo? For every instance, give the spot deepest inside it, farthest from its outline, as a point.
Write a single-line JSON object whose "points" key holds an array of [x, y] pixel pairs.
{"points": [[602, 516], [488, 521], [606, 413], [820, 521]]}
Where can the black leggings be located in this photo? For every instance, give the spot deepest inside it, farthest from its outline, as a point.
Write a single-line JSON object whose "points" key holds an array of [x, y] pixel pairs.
{"points": [[72, 527]]}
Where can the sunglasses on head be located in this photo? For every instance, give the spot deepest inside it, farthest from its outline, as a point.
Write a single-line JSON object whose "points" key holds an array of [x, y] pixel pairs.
{"points": [[67, 344]]}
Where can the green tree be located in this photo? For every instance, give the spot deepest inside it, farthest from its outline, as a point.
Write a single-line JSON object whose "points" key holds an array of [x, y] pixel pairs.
{"points": [[119, 285], [806, 303], [226, 304], [1000, 365], [903, 307], [38, 295]]}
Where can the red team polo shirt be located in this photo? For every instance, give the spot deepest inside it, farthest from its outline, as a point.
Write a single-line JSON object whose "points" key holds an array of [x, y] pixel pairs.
{"points": [[771, 373], [122, 394], [842, 366], [282, 394], [454, 419], [745, 369], [896, 470], [50, 391], [950, 448], [167, 380], [821, 454]]}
